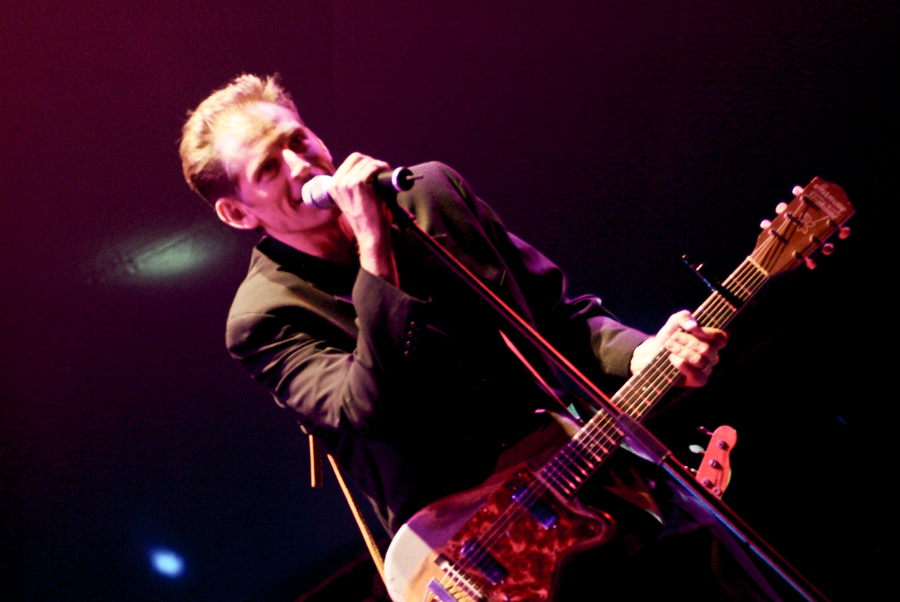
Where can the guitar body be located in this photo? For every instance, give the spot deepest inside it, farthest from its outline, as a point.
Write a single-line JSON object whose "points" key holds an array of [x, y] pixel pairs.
{"points": [[517, 557]]}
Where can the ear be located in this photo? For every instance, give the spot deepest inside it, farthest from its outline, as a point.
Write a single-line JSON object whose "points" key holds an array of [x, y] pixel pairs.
{"points": [[235, 214]]}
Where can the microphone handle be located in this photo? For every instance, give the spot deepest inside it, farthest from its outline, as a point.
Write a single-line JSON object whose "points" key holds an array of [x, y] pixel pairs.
{"points": [[397, 180]]}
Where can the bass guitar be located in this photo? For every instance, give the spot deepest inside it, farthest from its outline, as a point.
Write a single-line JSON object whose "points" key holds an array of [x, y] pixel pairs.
{"points": [[505, 539]]}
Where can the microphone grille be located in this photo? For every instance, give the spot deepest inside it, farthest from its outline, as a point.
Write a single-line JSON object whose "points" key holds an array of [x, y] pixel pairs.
{"points": [[315, 192]]}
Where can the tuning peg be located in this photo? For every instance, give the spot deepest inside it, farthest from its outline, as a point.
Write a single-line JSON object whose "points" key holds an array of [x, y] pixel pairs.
{"points": [[704, 430], [810, 263], [827, 249], [844, 232], [780, 208], [696, 449], [715, 489], [797, 190], [766, 223]]}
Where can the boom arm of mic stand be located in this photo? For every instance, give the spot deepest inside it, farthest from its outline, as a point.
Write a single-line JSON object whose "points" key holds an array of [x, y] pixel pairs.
{"points": [[647, 445]]}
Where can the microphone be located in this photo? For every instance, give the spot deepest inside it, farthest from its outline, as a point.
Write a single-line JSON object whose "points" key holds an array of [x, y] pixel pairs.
{"points": [[315, 192]]}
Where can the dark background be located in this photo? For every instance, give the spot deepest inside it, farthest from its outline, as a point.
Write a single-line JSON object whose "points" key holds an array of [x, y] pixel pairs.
{"points": [[613, 136]]}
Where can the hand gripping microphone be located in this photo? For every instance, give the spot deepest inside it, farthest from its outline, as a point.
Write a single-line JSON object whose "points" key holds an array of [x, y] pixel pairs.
{"points": [[315, 192]]}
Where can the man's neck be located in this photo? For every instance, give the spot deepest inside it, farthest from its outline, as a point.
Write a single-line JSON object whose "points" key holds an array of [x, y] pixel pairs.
{"points": [[332, 242]]}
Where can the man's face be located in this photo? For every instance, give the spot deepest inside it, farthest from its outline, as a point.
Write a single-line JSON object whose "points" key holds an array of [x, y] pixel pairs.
{"points": [[273, 154]]}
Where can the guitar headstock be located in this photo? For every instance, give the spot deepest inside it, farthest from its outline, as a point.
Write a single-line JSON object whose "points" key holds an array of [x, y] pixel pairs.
{"points": [[814, 215]]}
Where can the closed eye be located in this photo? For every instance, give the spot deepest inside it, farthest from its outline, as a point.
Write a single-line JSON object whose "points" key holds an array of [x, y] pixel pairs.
{"points": [[267, 168], [299, 143]]}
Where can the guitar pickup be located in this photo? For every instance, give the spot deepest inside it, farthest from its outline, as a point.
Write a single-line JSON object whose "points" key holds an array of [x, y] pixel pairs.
{"points": [[477, 555], [539, 510]]}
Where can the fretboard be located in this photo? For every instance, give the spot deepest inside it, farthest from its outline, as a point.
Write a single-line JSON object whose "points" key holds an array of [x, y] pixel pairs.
{"points": [[599, 438]]}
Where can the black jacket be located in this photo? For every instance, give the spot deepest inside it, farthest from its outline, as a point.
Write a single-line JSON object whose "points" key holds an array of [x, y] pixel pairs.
{"points": [[412, 389]]}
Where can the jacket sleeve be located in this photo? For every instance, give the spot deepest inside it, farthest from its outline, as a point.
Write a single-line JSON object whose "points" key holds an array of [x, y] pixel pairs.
{"points": [[331, 376], [576, 325]]}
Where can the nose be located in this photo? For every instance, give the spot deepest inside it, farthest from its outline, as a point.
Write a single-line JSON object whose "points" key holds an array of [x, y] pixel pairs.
{"points": [[298, 166]]}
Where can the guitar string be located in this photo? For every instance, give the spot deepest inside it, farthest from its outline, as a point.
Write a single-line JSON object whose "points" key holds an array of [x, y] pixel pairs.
{"points": [[455, 583], [715, 318], [662, 379], [553, 474], [661, 374], [630, 404], [608, 430], [572, 481], [716, 311], [570, 453]]}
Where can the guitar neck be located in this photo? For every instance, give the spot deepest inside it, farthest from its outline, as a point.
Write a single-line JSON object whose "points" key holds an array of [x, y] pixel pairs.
{"points": [[599, 438]]}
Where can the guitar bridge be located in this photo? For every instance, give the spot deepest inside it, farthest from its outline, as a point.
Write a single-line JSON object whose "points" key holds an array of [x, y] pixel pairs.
{"points": [[461, 585], [435, 592]]}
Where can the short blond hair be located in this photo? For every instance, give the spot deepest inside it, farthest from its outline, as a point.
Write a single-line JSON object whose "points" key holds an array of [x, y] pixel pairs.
{"points": [[203, 168]]}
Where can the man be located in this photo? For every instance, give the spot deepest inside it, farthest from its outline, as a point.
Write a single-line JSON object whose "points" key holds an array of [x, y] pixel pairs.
{"points": [[354, 327]]}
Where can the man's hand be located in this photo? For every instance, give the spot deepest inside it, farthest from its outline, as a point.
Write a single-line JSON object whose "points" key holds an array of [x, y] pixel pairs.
{"points": [[694, 349], [365, 214]]}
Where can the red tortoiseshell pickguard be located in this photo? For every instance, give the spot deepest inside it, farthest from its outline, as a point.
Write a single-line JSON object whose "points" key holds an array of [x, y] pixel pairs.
{"points": [[528, 552]]}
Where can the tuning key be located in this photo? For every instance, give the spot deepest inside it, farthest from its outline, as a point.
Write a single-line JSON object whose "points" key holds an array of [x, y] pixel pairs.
{"points": [[704, 430], [844, 232], [810, 263], [766, 223], [781, 208], [797, 190]]}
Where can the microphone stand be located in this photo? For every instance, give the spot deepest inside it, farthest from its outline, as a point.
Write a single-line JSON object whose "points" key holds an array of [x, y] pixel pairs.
{"points": [[645, 444]]}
